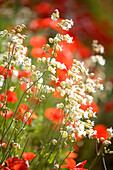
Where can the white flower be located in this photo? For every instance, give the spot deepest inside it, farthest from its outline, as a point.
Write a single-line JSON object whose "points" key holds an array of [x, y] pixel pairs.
{"points": [[55, 15], [68, 38], [99, 59], [66, 24]]}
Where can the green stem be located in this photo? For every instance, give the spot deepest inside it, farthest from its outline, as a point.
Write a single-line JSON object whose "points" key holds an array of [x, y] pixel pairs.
{"points": [[96, 158], [20, 102], [103, 159]]}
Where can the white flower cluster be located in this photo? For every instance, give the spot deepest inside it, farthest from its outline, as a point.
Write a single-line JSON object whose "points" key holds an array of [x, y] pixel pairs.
{"points": [[1, 81], [52, 64], [16, 54], [55, 15], [78, 89], [66, 24], [98, 50], [60, 37], [98, 59]]}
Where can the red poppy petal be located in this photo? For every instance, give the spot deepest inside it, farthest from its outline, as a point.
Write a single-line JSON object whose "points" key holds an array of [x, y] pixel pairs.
{"points": [[81, 164], [38, 41], [101, 131], [63, 166], [16, 163], [70, 162], [12, 97], [34, 116], [28, 156]]}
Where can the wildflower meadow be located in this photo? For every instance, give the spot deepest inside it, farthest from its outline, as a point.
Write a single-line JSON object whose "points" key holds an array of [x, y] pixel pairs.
{"points": [[56, 85]]}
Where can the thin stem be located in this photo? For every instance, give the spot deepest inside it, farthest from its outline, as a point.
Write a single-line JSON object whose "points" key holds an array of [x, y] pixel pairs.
{"points": [[20, 102], [24, 147], [96, 158], [103, 159], [66, 157], [57, 153]]}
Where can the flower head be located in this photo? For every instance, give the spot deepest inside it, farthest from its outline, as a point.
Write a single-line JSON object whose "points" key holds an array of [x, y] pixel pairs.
{"points": [[71, 164]]}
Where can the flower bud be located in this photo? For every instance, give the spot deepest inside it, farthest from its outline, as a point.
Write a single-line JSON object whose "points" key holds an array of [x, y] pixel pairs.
{"points": [[64, 134], [54, 141], [56, 166]]}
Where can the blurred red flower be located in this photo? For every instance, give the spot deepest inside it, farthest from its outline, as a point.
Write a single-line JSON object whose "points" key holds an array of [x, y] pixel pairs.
{"points": [[62, 75], [108, 106], [71, 164], [65, 57], [57, 94], [38, 41], [54, 114], [3, 71], [8, 114], [28, 116], [44, 9], [101, 132], [23, 86], [16, 163], [39, 52], [23, 74], [72, 155], [11, 97], [28, 156], [43, 23]]}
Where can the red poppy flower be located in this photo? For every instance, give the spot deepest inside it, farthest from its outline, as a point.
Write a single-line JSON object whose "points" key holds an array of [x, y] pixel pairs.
{"points": [[8, 114], [28, 156], [3, 71], [62, 75], [27, 117], [23, 86], [71, 164], [37, 52], [16, 163], [44, 9], [23, 107], [11, 97], [72, 155], [83, 50], [101, 132], [38, 41], [23, 74], [80, 166], [43, 23], [54, 114], [65, 56], [33, 99], [108, 106], [57, 94], [2, 166], [35, 24]]}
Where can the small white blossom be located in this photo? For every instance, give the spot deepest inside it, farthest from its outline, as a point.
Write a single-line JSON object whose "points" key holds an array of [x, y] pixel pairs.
{"points": [[55, 15]]}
